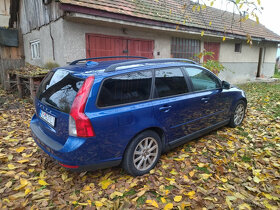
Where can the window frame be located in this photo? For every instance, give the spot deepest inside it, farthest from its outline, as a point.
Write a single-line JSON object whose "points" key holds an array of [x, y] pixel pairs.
{"points": [[207, 72], [36, 44], [240, 49], [130, 103]]}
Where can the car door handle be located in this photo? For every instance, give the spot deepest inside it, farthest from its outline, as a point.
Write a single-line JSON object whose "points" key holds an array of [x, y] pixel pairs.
{"points": [[205, 99], [165, 108]]}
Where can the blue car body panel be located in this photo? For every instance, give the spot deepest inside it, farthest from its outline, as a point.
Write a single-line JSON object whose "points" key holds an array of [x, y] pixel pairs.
{"points": [[176, 116]]}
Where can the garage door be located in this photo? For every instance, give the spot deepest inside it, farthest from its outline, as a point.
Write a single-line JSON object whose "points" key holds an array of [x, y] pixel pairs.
{"points": [[212, 47], [101, 45]]}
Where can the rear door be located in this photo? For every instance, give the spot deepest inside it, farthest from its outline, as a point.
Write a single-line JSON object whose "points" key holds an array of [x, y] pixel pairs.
{"points": [[53, 103]]}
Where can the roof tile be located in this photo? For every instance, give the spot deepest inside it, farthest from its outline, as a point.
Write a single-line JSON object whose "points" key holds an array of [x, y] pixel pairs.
{"points": [[180, 12]]}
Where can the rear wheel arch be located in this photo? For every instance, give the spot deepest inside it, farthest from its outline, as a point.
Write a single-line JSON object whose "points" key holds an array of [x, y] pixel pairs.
{"points": [[160, 132]]}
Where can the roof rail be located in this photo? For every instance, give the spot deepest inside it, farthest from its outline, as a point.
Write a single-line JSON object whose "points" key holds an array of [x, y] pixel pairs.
{"points": [[96, 58], [126, 63]]}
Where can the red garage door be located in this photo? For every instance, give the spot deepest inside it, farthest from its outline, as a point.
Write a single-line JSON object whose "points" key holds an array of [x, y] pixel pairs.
{"points": [[101, 45], [212, 47]]}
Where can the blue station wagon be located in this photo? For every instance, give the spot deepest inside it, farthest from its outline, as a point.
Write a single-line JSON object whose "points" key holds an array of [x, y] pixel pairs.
{"points": [[92, 115]]}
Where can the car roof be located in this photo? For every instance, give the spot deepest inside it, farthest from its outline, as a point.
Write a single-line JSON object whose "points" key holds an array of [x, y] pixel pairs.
{"points": [[114, 67]]}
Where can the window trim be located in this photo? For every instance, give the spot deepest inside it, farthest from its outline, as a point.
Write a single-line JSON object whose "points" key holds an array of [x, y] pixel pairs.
{"points": [[240, 43], [208, 73], [35, 43], [119, 105]]}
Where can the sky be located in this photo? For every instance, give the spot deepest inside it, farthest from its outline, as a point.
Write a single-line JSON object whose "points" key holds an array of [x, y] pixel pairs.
{"points": [[270, 16]]}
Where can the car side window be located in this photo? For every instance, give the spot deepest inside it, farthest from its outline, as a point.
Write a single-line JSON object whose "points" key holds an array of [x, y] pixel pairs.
{"points": [[169, 82], [126, 88], [202, 80]]}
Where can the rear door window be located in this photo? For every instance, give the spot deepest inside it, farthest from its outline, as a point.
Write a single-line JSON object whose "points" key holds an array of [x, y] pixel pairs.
{"points": [[169, 82], [202, 80], [59, 89], [125, 88]]}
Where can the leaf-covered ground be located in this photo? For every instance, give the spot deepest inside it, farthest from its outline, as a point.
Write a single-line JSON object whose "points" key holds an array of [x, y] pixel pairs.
{"points": [[227, 169]]}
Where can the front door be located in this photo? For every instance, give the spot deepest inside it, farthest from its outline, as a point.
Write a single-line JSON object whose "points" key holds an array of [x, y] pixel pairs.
{"points": [[175, 108]]}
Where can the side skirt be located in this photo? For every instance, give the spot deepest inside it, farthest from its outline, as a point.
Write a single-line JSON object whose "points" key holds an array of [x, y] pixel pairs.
{"points": [[182, 140]]}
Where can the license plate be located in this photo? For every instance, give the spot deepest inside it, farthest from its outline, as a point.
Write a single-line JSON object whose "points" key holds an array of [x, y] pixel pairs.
{"points": [[47, 118]]}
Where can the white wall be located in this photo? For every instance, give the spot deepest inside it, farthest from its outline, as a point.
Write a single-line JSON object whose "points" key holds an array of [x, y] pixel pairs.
{"points": [[75, 43], [4, 13], [46, 46], [242, 67]]}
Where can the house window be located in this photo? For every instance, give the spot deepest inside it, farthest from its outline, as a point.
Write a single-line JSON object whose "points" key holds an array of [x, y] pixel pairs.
{"points": [[185, 48], [237, 47], [35, 49]]}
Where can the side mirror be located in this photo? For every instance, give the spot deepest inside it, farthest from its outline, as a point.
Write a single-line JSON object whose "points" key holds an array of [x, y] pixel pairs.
{"points": [[225, 85]]}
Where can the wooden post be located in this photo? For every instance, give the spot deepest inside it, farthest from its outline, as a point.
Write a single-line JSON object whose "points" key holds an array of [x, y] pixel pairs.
{"points": [[31, 87], [8, 82], [19, 87]]}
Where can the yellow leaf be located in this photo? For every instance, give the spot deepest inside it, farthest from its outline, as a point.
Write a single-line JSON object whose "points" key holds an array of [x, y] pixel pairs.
{"points": [[178, 198], [42, 182], [98, 203], [168, 206], [224, 38], [162, 199], [270, 197], [115, 194], [20, 149], [256, 179], [228, 203], [83, 204], [186, 178], [105, 183], [173, 172], [198, 8], [190, 194], [194, 8], [230, 143], [179, 159], [202, 33], [23, 161], [9, 184], [191, 173], [201, 165], [210, 23], [205, 176], [212, 3], [268, 206], [244, 206], [11, 166], [30, 170], [142, 192], [224, 180], [152, 202], [27, 191], [203, 7]]}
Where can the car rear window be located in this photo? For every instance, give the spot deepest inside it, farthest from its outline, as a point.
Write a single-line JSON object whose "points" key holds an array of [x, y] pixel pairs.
{"points": [[126, 88], [59, 89]]}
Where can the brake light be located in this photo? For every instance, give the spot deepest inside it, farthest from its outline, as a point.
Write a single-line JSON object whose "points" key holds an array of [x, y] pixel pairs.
{"points": [[79, 123]]}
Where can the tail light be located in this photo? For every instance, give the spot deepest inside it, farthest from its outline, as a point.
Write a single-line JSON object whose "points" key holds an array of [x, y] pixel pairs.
{"points": [[79, 123]]}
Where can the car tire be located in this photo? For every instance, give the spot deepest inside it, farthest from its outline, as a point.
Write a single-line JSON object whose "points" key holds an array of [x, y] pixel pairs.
{"points": [[238, 114], [142, 154]]}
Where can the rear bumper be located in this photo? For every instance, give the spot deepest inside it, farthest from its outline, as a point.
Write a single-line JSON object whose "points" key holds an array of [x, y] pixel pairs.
{"points": [[87, 154]]}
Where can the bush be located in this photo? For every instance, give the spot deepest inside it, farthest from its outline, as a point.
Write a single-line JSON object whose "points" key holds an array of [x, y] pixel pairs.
{"points": [[51, 65]]}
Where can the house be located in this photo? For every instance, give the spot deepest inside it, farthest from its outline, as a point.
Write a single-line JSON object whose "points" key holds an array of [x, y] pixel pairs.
{"points": [[61, 31], [11, 50]]}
